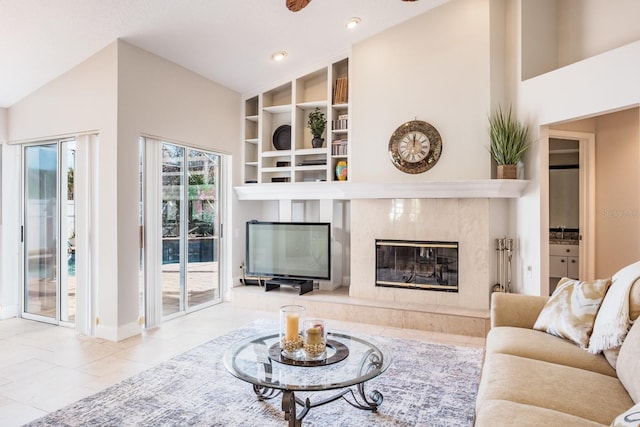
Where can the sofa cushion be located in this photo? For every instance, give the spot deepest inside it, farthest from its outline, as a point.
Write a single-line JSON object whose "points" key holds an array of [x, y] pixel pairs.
{"points": [[628, 365], [585, 394], [498, 413], [571, 310], [630, 418], [549, 348]]}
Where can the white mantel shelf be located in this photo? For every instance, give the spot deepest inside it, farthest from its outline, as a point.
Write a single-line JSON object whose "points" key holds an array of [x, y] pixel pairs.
{"points": [[463, 189]]}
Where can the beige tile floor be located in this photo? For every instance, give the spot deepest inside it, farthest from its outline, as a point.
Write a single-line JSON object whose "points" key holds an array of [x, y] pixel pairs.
{"points": [[45, 367]]}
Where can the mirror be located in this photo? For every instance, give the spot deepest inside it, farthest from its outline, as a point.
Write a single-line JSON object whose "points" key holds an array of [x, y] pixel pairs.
{"points": [[564, 184], [564, 197]]}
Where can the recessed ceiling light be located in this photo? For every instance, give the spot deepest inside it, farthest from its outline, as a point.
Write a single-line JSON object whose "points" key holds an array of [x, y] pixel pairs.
{"points": [[352, 23], [279, 56]]}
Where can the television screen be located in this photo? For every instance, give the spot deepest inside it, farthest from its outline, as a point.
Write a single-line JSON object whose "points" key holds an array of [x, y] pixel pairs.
{"points": [[289, 249]]}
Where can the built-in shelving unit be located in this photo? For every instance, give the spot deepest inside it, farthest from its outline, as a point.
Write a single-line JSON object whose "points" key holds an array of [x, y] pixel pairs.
{"points": [[289, 105]]}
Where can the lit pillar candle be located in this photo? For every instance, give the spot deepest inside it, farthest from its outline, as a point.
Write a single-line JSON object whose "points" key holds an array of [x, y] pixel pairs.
{"points": [[291, 330]]}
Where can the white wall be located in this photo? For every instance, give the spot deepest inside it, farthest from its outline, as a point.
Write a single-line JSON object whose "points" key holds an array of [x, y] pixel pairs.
{"points": [[539, 37], [618, 191], [591, 27], [157, 97], [436, 68], [600, 84], [124, 92], [84, 98]]}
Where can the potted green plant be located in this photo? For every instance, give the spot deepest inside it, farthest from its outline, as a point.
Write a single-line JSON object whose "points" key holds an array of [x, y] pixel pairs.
{"points": [[509, 142], [317, 123]]}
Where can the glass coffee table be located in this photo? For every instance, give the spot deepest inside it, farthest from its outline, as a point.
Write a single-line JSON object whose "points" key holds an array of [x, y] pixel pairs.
{"points": [[351, 361]]}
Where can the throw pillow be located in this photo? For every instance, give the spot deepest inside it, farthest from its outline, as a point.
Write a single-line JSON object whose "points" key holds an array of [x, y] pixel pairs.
{"points": [[613, 320], [630, 418], [571, 310], [634, 312]]}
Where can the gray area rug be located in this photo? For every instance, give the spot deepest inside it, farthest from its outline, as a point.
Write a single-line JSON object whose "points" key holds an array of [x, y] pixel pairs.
{"points": [[426, 385]]}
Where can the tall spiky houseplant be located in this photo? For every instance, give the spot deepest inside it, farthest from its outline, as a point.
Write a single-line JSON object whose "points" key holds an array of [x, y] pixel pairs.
{"points": [[509, 142]]}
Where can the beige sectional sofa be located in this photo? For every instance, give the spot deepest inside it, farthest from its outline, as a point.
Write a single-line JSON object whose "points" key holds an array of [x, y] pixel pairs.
{"points": [[532, 378]]}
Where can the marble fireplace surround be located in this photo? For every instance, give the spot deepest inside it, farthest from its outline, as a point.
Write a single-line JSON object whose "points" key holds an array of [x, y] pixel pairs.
{"points": [[470, 212], [466, 221]]}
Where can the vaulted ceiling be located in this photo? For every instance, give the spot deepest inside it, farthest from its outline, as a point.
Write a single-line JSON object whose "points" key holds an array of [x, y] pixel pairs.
{"points": [[227, 41]]}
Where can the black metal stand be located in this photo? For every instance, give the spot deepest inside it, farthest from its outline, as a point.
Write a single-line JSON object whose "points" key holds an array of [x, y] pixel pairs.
{"points": [[368, 402], [303, 285]]}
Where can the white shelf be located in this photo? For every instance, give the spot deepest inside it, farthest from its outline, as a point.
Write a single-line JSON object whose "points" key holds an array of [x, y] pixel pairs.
{"points": [[312, 104], [251, 163], [464, 189], [340, 106], [251, 140], [276, 153], [311, 168], [277, 169], [252, 118], [309, 151], [340, 131], [277, 109]]}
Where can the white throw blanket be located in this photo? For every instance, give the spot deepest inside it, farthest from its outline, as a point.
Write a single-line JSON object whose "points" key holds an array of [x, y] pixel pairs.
{"points": [[613, 322]]}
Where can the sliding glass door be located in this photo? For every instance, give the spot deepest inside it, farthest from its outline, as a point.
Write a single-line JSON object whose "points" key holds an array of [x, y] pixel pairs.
{"points": [[49, 231], [190, 229]]}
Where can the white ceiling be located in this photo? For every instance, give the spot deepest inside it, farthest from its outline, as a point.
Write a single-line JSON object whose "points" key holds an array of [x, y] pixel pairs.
{"points": [[227, 41]]}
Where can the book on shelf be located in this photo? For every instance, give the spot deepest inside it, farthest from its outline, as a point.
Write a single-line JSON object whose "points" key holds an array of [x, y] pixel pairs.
{"points": [[339, 147], [341, 123], [341, 91]]}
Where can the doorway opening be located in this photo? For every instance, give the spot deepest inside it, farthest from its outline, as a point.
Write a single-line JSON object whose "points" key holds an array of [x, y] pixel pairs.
{"points": [[49, 232], [571, 214], [181, 213]]}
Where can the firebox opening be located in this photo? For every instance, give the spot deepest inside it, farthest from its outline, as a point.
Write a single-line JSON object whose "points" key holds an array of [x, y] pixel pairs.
{"points": [[417, 265]]}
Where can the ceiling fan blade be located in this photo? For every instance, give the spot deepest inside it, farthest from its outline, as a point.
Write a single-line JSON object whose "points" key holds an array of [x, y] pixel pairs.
{"points": [[297, 5]]}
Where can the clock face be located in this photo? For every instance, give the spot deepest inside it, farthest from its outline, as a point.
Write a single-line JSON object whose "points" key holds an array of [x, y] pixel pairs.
{"points": [[415, 147]]}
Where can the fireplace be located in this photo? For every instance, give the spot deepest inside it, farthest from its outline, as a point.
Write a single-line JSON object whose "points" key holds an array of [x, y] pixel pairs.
{"points": [[417, 265]]}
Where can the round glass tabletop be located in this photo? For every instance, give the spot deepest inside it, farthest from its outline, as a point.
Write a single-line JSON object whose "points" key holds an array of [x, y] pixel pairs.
{"points": [[249, 360]]}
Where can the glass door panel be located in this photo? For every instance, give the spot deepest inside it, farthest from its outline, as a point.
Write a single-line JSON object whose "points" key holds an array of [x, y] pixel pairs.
{"points": [[202, 266], [172, 276], [41, 230], [68, 231], [190, 240]]}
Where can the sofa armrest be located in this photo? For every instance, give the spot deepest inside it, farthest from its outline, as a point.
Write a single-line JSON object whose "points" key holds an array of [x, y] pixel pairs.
{"points": [[515, 309]]}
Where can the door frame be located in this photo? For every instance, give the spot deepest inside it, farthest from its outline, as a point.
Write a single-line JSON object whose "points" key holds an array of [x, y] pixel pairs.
{"points": [[151, 239], [86, 211], [587, 208]]}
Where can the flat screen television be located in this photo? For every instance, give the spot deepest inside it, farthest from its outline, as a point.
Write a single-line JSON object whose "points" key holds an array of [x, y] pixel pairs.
{"points": [[289, 250]]}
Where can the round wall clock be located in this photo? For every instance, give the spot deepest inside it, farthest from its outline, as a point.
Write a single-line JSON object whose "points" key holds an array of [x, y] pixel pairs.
{"points": [[415, 147]]}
